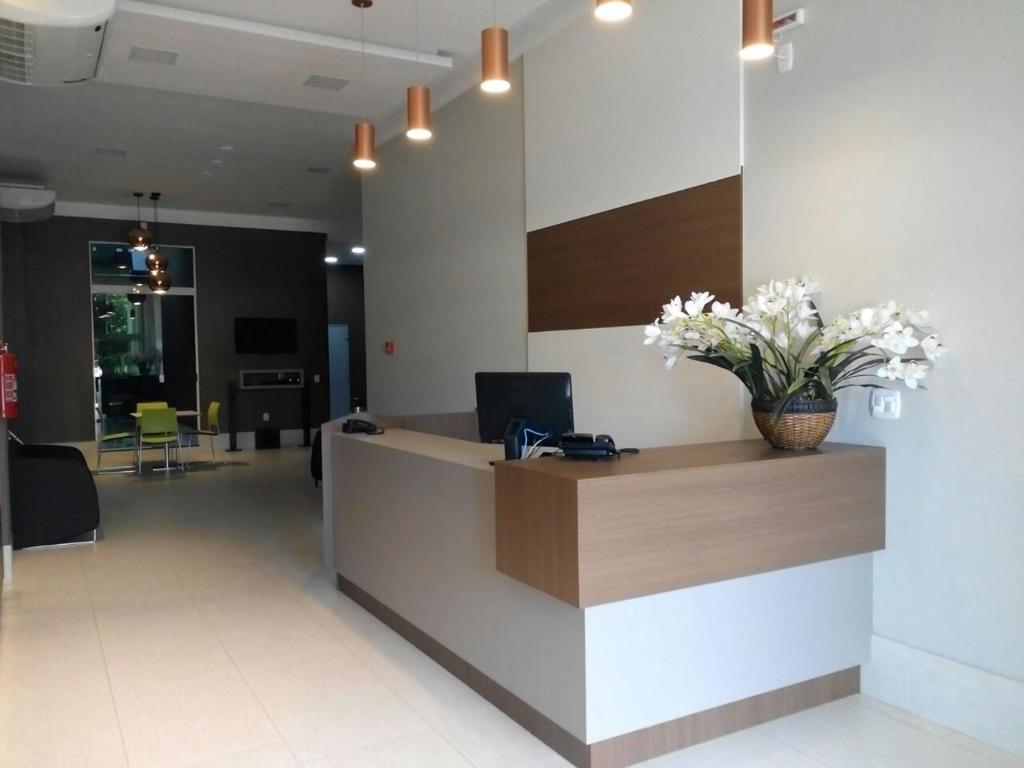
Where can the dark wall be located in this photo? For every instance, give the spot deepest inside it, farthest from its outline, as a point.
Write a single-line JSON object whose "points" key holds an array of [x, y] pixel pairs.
{"points": [[239, 273], [345, 307]]}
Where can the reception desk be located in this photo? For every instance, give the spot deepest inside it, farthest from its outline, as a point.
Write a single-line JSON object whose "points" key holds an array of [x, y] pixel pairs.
{"points": [[625, 609]]}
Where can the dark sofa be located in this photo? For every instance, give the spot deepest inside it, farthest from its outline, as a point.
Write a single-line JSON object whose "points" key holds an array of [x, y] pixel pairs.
{"points": [[53, 496]]}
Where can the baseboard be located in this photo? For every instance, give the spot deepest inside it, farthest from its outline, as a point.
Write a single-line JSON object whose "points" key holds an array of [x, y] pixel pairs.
{"points": [[981, 704], [630, 748]]}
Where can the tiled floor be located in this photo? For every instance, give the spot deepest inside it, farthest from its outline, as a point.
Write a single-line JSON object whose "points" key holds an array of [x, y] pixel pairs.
{"points": [[200, 632]]}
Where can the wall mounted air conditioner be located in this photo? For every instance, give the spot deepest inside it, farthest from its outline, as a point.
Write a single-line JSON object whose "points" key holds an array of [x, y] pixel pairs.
{"points": [[22, 203], [56, 42]]}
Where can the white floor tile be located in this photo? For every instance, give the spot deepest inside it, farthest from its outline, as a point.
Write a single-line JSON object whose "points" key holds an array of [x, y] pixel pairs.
{"points": [[489, 739], [903, 715], [420, 750], [740, 750], [811, 726], [271, 756], [176, 720], [329, 702], [174, 640], [999, 756], [83, 734], [893, 744]]}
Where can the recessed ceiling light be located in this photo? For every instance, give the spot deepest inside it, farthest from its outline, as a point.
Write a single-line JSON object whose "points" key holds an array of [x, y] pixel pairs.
{"points": [[110, 152], [358, 250], [227, 148], [331, 259], [153, 56], [217, 161], [325, 83]]}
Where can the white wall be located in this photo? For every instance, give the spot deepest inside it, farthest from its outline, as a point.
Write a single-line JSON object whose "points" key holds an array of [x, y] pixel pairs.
{"points": [[445, 274], [889, 164], [619, 113], [616, 114]]}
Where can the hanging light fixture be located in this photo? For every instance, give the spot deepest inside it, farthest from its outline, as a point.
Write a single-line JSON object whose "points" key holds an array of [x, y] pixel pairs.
{"points": [[417, 110], [758, 30], [494, 57], [139, 238], [418, 113], [613, 10], [156, 262], [364, 154], [160, 282]]}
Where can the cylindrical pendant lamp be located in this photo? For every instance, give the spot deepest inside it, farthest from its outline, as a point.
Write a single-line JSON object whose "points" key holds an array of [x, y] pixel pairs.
{"points": [[494, 59], [758, 29], [418, 113], [364, 156], [613, 10]]}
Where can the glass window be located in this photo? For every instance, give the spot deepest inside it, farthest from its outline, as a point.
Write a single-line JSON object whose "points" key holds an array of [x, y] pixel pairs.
{"points": [[119, 264]]}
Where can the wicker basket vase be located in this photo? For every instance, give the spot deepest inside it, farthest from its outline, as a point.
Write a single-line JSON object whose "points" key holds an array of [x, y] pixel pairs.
{"points": [[802, 426]]}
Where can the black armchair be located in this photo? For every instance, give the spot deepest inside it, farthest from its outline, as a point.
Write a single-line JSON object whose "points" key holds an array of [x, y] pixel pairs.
{"points": [[53, 496]]}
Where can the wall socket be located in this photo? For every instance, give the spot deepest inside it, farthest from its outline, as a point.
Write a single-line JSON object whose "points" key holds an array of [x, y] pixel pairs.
{"points": [[885, 404], [266, 417]]}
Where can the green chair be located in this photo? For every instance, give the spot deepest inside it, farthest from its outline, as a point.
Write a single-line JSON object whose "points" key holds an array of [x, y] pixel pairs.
{"points": [[159, 427], [115, 442], [150, 406], [212, 427]]}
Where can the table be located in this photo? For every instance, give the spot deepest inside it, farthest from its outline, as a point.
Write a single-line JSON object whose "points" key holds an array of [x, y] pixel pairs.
{"points": [[180, 414]]}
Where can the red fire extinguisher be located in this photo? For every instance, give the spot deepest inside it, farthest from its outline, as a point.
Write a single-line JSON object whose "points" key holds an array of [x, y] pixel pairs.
{"points": [[9, 380]]}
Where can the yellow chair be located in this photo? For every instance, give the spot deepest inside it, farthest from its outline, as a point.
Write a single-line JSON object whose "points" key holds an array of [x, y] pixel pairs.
{"points": [[159, 427], [150, 406], [212, 427], [115, 442]]}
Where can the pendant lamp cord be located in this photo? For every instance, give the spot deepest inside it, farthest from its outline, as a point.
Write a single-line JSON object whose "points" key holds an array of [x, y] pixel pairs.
{"points": [[494, 7], [156, 222], [362, 49], [416, 6]]}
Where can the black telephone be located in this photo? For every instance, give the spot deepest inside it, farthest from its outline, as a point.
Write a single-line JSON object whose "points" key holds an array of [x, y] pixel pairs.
{"points": [[361, 427], [577, 445]]}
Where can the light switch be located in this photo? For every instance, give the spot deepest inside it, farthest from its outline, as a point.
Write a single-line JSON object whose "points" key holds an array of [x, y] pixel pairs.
{"points": [[885, 404], [266, 417]]}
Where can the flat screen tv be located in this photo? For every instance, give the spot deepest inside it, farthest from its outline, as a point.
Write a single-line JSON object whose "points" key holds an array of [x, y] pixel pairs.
{"points": [[266, 336]]}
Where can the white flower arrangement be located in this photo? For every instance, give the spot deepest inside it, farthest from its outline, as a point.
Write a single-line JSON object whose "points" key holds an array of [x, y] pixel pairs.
{"points": [[782, 351]]}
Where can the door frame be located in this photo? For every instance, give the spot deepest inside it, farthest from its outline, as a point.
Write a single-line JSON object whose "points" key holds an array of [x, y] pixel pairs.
{"points": [[193, 291]]}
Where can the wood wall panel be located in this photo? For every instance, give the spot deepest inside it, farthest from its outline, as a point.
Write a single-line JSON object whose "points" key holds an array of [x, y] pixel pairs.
{"points": [[618, 267]]}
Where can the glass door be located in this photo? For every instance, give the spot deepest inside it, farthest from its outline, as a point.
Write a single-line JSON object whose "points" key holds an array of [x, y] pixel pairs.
{"points": [[144, 343]]}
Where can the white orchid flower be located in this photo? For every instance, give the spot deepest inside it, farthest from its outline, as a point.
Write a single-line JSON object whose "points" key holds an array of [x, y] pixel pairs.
{"points": [[896, 338], [892, 370], [671, 360], [672, 311], [933, 348], [697, 302], [652, 333], [918, 318], [913, 373]]}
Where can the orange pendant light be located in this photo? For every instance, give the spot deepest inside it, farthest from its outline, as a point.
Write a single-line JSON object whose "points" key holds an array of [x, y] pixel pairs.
{"points": [[156, 262], [613, 10], [160, 282], [494, 58], [418, 113], [364, 156], [364, 151], [758, 29], [139, 238]]}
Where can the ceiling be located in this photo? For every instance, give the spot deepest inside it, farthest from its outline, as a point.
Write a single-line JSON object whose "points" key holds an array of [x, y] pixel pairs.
{"points": [[238, 81]]}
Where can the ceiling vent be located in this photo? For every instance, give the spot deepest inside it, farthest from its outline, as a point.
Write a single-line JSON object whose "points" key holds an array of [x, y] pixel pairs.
{"points": [[325, 83], [56, 43], [110, 152], [153, 56], [20, 203], [319, 169]]}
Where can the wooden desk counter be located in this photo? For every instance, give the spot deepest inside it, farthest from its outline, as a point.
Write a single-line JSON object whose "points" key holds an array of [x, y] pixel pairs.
{"points": [[597, 532]]}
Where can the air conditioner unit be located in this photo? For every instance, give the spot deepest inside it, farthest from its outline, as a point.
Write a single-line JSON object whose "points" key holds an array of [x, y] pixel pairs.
{"points": [[56, 42], [20, 203]]}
